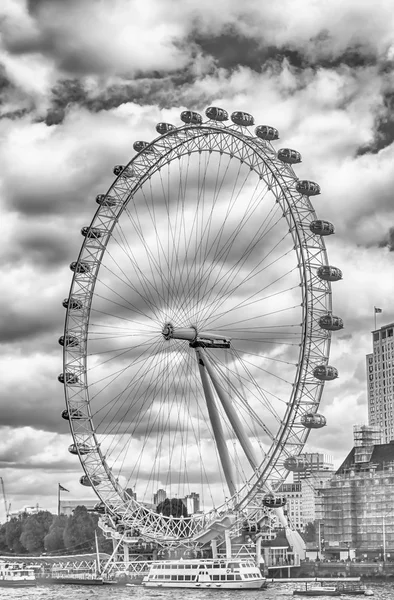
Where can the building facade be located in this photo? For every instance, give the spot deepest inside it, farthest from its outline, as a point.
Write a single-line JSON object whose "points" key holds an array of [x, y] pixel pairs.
{"points": [[159, 497], [67, 507], [358, 502], [380, 378]]}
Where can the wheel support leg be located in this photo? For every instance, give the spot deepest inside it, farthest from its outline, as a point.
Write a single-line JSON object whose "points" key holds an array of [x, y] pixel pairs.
{"points": [[216, 426]]}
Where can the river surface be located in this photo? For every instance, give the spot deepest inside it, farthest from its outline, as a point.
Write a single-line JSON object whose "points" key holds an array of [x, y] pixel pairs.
{"points": [[281, 591]]}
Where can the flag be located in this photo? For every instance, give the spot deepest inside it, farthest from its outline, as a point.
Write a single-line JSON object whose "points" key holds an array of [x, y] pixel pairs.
{"points": [[377, 310], [62, 489]]}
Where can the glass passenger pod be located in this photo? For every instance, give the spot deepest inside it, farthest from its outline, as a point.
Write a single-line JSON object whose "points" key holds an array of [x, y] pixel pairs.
{"points": [[313, 421], [330, 322], [322, 227], [296, 464], [139, 146], [68, 378], [72, 415], [122, 171], [70, 341], [80, 267], [289, 156], [104, 200], [274, 501], [307, 188], [89, 482], [188, 116], [215, 113], [325, 372], [91, 233], [163, 128], [79, 449], [328, 273], [242, 118], [265, 132], [72, 303]]}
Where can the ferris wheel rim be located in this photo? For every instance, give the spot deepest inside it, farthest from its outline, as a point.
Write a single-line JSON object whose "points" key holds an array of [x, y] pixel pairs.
{"points": [[265, 155]]}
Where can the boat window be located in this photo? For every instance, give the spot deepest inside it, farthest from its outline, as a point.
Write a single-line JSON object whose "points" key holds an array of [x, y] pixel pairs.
{"points": [[230, 577], [215, 577], [188, 577], [238, 577], [233, 565]]}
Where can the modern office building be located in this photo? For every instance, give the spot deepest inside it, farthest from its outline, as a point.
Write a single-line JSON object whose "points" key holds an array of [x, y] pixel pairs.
{"points": [[316, 463], [192, 503], [358, 499], [159, 497], [380, 381], [293, 507]]}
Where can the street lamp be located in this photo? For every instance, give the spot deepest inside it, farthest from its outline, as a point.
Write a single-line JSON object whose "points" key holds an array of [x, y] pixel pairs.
{"points": [[384, 535], [348, 551]]}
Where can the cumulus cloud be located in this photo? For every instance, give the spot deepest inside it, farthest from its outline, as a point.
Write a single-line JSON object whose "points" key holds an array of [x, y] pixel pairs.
{"points": [[80, 82]]}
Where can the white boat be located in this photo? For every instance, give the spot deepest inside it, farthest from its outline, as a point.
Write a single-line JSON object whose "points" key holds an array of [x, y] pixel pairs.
{"points": [[16, 575], [205, 573]]}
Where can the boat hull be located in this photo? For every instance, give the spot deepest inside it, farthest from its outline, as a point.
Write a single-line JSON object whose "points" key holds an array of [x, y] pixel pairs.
{"points": [[224, 585], [68, 581], [316, 593], [8, 583]]}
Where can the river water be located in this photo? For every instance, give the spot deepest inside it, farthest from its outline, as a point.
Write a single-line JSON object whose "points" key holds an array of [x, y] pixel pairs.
{"points": [[280, 591]]}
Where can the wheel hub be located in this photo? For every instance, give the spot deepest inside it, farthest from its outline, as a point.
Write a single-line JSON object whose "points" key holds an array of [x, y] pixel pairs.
{"points": [[196, 339]]}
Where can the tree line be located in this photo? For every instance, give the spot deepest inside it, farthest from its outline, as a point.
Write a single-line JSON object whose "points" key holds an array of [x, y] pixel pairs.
{"points": [[45, 532]]}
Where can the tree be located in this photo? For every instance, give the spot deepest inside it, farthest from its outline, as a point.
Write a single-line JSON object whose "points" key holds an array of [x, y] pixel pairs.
{"points": [[172, 507], [34, 529], [53, 540], [13, 533], [78, 534], [310, 532], [3, 541]]}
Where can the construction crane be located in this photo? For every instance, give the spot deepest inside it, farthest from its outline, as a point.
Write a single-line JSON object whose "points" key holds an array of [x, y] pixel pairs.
{"points": [[7, 506]]}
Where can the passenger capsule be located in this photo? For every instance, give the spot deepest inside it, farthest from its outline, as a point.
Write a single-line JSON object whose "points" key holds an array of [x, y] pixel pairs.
{"points": [[242, 118], [104, 200], [274, 501], [313, 421], [68, 378], [74, 412], [92, 233], [72, 303], [307, 188], [330, 322], [69, 341], [289, 156], [265, 132], [79, 449], [121, 170], [163, 128], [296, 464], [325, 372], [80, 267], [188, 116], [140, 146], [93, 480], [322, 227], [216, 114], [327, 273]]}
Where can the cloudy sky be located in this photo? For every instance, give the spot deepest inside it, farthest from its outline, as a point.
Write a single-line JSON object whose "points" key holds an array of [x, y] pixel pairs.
{"points": [[81, 80]]}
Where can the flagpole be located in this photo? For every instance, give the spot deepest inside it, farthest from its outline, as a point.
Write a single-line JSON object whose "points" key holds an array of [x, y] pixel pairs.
{"points": [[58, 499], [374, 311]]}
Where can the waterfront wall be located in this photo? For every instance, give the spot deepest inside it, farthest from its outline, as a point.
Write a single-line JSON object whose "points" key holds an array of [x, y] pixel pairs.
{"points": [[345, 569]]}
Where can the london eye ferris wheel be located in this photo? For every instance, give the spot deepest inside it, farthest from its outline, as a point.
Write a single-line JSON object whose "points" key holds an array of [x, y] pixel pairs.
{"points": [[198, 325]]}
